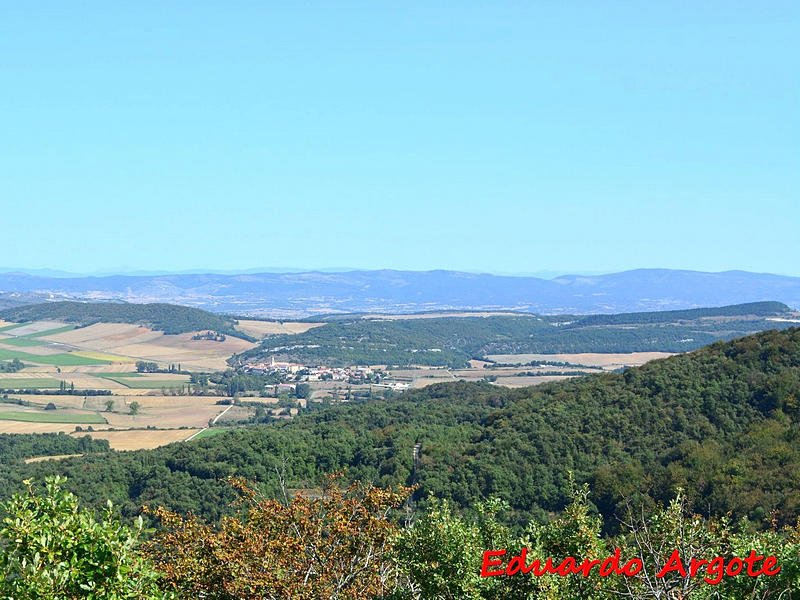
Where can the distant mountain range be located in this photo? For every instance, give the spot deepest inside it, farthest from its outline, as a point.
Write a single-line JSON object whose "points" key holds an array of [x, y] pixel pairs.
{"points": [[305, 294]]}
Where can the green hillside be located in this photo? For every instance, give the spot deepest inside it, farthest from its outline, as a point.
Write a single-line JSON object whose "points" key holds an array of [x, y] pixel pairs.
{"points": [[452, 341], [169, 318], [722, 422]]}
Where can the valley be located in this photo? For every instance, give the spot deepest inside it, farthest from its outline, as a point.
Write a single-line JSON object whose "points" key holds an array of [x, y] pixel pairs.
{"points": [[111, 371]]}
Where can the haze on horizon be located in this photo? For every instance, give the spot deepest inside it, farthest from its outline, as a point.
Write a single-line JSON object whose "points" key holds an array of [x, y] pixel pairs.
{"points": [[511, 139]]}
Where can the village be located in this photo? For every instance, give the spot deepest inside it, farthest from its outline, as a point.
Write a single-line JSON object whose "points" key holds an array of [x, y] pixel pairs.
{"points": [[317, 376]]}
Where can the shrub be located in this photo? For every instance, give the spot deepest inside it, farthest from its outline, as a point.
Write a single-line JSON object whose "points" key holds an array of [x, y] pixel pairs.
{"points": [[50, 549]]}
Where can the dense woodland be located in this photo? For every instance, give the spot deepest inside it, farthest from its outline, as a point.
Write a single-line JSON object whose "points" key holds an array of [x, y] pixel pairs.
{"points": [[452, 341], [721, 422], [698, 452], [15, 447], [169, 318]]}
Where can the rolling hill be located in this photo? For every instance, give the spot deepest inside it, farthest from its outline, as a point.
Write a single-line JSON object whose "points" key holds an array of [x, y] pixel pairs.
{"points": [[721, 422], [169, 318], [452, 341]]}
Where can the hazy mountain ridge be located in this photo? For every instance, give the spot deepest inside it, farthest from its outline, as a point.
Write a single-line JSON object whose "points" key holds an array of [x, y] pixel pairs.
{"points": [[303, 294]]}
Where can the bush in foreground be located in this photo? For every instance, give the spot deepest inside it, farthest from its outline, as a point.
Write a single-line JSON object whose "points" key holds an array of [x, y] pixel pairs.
{"points": [[51, 549]]}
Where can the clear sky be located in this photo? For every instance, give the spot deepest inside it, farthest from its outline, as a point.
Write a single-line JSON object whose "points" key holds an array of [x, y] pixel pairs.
{"points": [[510, 137]]}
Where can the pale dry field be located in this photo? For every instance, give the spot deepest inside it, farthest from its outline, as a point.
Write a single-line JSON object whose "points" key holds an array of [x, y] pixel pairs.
{"points": [[413, 373], [514, 371], [478, 364], [37, 350], [103, 336], [194, 354], [83, 381], [123, 342], [177, 377], [61, 401], [426, 381], [164, 417], [606, 361], [441, 315], [260, 329], [25, 427], [141, 439], [36, 459], [35, 327], [164, 401], [517, 382], [120, 367]]}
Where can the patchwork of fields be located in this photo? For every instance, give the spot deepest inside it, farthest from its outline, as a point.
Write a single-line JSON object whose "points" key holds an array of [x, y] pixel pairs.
{"points": [[84, 379], [259, 329], [128, 408]]}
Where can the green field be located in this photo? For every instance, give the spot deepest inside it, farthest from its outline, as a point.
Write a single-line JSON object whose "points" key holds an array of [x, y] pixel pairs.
{"points": [[52, 416], [145, 383], [21, 341], [211, 432], [33, 382], [61, 360], [12, 326]]}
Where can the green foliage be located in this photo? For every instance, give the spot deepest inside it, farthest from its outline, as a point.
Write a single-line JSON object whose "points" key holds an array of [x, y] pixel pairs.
{"points": [[169, 318], [143, 366], [344, 544], [442, 554], [12, 366], [452, 341], [722, 423], [17, 446], [439, 553], [749, 309], [51, 549]]}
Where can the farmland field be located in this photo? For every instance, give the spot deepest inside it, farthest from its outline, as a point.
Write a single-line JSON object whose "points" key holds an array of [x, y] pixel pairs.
{"points": [[20, 341], [141, 439], [260, 329], [147, 383], [19, 383], [61, 359], [139, 343], [516, 382], [61, 401], [37, 327], [589, 359], [36, 459], [103, 357], [36, 427], [51, 417], [54, 331], [210, 432], [164, 416]]}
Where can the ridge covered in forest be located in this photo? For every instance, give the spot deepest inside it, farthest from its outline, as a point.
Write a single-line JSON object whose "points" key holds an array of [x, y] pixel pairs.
{"points": [[722, 423]]}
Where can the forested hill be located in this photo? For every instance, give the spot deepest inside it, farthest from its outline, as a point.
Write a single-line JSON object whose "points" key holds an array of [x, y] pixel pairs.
{"points": [[755, 309], [169, 318], [452, 341], [722, 422]]}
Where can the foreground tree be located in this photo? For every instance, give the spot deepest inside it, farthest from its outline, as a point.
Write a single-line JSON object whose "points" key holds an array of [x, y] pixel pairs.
{"points": [[332, 544], [51, 549]]}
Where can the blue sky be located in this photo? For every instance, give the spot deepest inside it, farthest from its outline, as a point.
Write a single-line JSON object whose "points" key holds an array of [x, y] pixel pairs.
{"points": [[510, 137]]}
